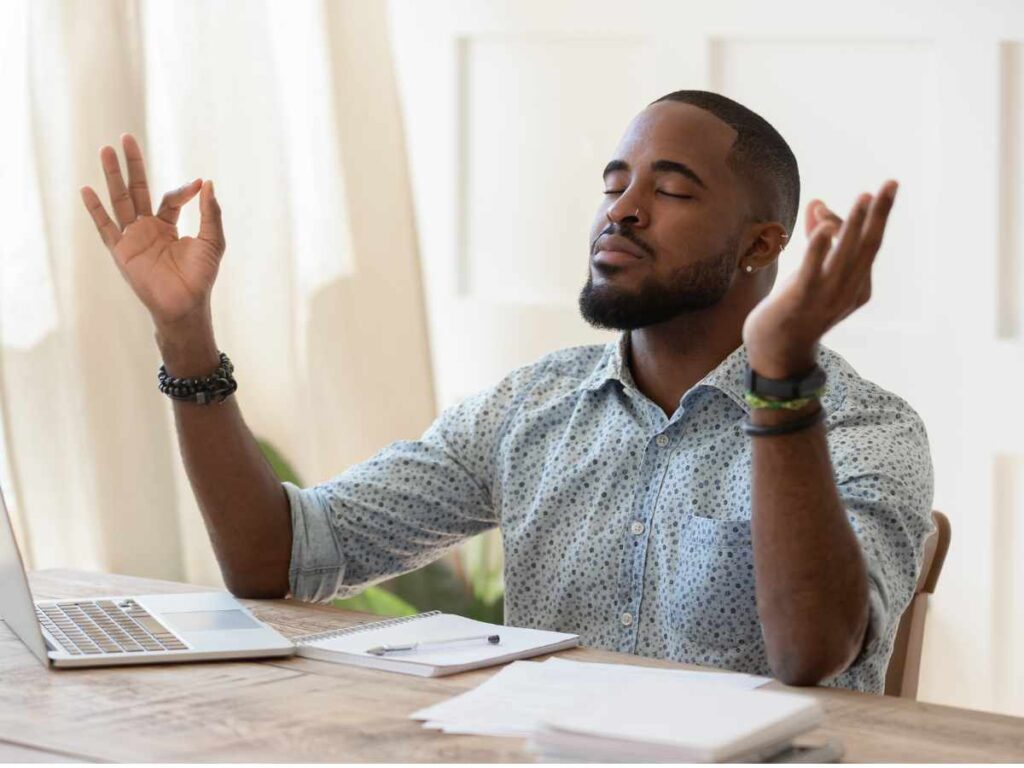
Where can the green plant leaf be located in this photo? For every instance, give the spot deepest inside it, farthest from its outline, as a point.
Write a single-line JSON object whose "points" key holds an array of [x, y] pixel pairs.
{"points": [[284, 471], [436, 587], [379, 601], [482, 562]]}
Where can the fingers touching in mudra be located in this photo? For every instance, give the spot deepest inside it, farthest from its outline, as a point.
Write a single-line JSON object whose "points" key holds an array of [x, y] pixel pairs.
{"points": [[172, 275]]}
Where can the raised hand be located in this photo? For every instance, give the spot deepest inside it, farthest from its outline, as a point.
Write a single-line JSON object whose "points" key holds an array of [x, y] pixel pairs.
{"points": [[173, 276], [782, 332]]}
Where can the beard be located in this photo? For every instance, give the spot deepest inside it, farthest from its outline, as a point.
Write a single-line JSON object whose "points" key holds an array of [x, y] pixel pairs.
{"points": [[691, 287]]}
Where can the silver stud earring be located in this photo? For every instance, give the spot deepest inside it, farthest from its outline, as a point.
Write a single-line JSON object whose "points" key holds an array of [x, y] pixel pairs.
{"points": [[749, 268]]}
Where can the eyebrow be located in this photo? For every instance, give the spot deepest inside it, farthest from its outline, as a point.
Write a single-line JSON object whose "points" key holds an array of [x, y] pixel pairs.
{"points": [[659, 166]]}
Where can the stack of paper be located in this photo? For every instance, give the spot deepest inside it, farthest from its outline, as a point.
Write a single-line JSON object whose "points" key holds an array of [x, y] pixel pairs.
{"points": [[663, 721], [523, 696]]}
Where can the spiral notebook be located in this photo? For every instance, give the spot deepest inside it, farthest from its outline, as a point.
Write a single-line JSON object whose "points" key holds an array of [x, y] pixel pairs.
{"points": [[351, 645]]}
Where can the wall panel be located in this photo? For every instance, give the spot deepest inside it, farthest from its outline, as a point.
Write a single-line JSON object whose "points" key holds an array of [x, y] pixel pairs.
{"points": [[540, 118], [1008, 581], [856, 113], [1011, 183]]}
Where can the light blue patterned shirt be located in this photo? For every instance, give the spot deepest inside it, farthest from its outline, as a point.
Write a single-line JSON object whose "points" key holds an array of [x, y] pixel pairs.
{"points": [[624, 526]]}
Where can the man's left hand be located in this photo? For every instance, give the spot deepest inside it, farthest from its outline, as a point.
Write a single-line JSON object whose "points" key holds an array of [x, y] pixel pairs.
{"points": [[782, 332]]}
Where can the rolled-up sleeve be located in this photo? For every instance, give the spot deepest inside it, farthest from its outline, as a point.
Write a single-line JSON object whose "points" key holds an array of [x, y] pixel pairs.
{"points": [[406, 506], [883, 470]]}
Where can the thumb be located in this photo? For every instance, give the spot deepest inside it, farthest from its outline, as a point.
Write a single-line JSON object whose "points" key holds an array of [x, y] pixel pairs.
{"points": [[811, 217], [816, 213], [211, 229]]}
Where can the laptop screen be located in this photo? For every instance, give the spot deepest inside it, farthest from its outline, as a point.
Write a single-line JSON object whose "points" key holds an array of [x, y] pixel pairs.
{"points": [[16, 606]]}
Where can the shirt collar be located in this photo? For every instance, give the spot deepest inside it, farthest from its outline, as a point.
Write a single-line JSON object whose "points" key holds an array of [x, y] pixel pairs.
{"points": [[612, 365], [727, 376]]}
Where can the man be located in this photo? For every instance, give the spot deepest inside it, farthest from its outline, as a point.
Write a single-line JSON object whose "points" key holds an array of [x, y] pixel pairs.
{"points": [[650, 499]]}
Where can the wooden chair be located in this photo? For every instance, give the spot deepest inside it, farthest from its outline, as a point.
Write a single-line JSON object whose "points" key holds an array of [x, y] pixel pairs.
{"points": [[905, 663]]}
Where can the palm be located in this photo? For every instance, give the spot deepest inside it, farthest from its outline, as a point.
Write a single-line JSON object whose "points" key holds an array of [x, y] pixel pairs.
{"points": [[782, 332], [786, 301], [173, 276], [778, 322]]}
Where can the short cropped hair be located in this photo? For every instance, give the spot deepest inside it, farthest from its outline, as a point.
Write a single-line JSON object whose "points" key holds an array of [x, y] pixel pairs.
{"points": [[759, 156]]}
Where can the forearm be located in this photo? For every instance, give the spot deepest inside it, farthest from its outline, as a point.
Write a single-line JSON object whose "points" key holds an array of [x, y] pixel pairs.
{"points": [[811, 581], [244, 506], [810, 574], [242, 502]]}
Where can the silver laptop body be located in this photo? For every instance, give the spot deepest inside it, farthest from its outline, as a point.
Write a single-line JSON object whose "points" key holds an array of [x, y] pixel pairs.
{"points": [[143, 629]]}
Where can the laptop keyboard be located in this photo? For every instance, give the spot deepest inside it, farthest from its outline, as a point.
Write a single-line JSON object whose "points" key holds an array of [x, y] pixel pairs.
{"points": [[90, 627]]}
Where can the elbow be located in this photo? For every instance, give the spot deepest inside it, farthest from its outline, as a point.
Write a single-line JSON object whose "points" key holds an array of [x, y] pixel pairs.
{"points": [[816, 659], [815, 646], [800, 671], [256, 592], [258, 585], [813, 665]]}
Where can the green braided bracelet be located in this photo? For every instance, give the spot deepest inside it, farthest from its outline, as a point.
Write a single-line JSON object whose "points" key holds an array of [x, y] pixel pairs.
{"points": [[756, 401]]}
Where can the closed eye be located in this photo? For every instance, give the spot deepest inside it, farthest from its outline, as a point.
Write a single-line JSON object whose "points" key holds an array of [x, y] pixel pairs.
{"points": [[660, 192]]}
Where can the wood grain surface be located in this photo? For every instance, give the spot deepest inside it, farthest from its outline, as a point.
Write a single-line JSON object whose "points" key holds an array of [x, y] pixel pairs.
{"points": [[301, 710]]}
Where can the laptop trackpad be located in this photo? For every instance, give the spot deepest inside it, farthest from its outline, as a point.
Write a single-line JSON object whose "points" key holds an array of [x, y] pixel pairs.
{"points": [[209, 621]]}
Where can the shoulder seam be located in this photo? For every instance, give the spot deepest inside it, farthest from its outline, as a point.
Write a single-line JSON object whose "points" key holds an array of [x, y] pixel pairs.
{"points": [[513, 411]]}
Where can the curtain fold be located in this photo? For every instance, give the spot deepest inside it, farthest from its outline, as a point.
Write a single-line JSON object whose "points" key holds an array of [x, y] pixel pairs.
{"points": [[318, 300]]}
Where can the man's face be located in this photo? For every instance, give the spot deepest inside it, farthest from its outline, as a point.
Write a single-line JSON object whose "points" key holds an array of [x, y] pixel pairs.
{"points": [[665, 239]]}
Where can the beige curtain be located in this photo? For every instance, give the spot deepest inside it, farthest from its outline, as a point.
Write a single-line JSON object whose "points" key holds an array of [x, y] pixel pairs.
{"points": [[291, 108]]}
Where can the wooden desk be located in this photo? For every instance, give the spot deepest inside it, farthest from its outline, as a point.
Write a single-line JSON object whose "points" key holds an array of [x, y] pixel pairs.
{"points": [[300, 710]]}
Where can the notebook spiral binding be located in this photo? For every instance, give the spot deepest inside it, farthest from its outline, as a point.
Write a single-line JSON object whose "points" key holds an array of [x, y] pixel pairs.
{"points": [[373, 625]]}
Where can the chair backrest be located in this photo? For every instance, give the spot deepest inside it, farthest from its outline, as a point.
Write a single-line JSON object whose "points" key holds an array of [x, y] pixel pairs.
{"points": [[905, 663]]}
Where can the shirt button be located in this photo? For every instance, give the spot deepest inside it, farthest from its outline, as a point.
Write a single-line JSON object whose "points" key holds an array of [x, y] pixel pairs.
{"points": [[626, 619], [661, 440], [636, 528]]}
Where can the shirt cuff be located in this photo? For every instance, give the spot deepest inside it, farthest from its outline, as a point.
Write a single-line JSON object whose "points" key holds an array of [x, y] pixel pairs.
{"points": [[317, 569]]}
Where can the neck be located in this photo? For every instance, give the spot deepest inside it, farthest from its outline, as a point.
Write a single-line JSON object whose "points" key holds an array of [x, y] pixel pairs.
{"points": [[667, 359]]}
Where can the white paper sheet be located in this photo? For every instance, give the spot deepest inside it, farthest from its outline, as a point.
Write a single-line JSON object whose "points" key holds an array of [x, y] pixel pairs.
{"points": [[515, 700]]}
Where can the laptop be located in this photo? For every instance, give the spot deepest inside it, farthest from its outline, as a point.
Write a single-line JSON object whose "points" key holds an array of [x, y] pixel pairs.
{"points": [[118, 630]]}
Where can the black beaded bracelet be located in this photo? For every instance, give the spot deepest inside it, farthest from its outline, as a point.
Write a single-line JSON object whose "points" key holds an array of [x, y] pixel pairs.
{"points": [[757, 430], [202, 390]]}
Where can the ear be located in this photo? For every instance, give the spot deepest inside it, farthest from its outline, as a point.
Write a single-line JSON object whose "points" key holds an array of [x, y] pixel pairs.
{"points": [[767, 239]]}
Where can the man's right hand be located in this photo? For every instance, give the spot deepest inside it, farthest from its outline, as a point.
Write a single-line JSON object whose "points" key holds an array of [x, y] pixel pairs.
{"points": [[243, 503], [173, 276]]}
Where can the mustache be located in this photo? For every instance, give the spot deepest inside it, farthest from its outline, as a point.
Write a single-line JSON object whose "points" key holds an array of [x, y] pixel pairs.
{"points": [[623, 232]]}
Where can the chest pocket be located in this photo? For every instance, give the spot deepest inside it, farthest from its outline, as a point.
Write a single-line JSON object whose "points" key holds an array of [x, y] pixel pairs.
{"points": [[717, 606]]}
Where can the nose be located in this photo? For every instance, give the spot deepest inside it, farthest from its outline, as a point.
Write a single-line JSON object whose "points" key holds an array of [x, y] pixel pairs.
{"points": [[619, 213]]}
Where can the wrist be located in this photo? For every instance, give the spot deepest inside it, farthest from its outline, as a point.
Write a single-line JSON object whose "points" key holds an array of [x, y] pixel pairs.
{"points": [[188, 346], [214, 387], [782, 364], [764, 417]]}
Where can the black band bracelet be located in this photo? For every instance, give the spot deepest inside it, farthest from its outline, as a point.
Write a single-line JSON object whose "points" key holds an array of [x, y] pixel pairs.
{"points": [[757, 430], [202, 390]]}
